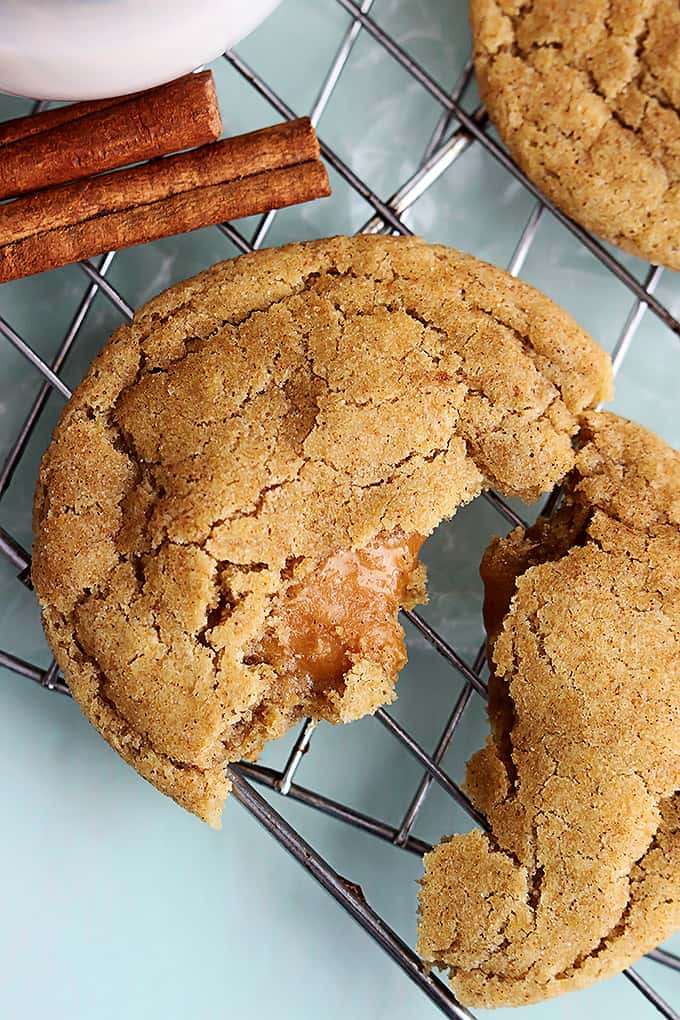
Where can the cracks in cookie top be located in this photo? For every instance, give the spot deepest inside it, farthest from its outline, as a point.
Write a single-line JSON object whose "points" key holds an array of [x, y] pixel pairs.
{"points": [[280, 409], [587, 98], [583, 614]]}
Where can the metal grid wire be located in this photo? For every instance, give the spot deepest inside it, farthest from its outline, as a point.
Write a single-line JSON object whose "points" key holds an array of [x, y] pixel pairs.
{"points": [[455, 131]]}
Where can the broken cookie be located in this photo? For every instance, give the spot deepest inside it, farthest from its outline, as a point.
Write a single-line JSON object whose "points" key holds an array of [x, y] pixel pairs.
{"points": [[580, 780], [229, 515]]}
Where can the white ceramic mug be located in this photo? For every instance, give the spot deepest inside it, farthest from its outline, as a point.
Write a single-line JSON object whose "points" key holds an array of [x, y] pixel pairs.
{"points": [[90, 49]]}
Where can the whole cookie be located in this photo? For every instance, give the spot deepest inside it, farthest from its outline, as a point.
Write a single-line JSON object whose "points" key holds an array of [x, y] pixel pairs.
{"points": [[586, 96], [581, 779], [230, 512]]}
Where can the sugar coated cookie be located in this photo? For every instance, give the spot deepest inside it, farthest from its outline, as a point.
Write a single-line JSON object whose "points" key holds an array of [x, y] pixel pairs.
{"points": [[229, 515], [586, 96], [580, 781]]}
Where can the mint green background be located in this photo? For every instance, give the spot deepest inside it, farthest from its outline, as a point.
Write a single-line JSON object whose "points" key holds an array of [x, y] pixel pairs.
{"points": [[115, 903]]}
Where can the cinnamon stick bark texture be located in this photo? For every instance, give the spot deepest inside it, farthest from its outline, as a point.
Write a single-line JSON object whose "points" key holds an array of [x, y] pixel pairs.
{"points": [[34, 123], [180, 115], [263, 170]]}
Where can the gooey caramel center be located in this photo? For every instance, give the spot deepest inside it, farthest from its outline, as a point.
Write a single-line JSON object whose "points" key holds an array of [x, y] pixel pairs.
{"points": [[344, 610]]}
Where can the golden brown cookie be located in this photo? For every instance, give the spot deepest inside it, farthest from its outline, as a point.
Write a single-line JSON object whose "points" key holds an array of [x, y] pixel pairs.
{"points": [[586, 96], [580, 781], [229, 515]]}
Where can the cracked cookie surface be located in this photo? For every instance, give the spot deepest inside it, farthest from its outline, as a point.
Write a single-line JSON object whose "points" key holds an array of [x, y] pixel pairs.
{"points": [[580, 780], [292, 418], [586, 97]]}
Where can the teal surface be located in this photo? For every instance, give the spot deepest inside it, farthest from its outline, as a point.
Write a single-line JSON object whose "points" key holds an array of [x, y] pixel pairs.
{"points": [[115, 903]]}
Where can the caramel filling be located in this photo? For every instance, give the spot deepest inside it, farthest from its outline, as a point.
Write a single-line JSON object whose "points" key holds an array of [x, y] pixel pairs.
{"points": [[345, 609]]}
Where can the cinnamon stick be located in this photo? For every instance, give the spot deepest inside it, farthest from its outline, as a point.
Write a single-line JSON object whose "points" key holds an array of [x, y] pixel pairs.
{"points": [[180, 115], [34, 123], [263, 170]]}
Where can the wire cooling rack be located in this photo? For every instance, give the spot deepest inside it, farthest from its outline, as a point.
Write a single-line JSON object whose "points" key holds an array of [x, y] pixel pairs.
{"points": [[455, 132]]}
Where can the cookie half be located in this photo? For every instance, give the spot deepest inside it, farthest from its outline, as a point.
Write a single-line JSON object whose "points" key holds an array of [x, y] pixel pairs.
{"points": [[580, 780], [229, 515], [586, 97]]}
